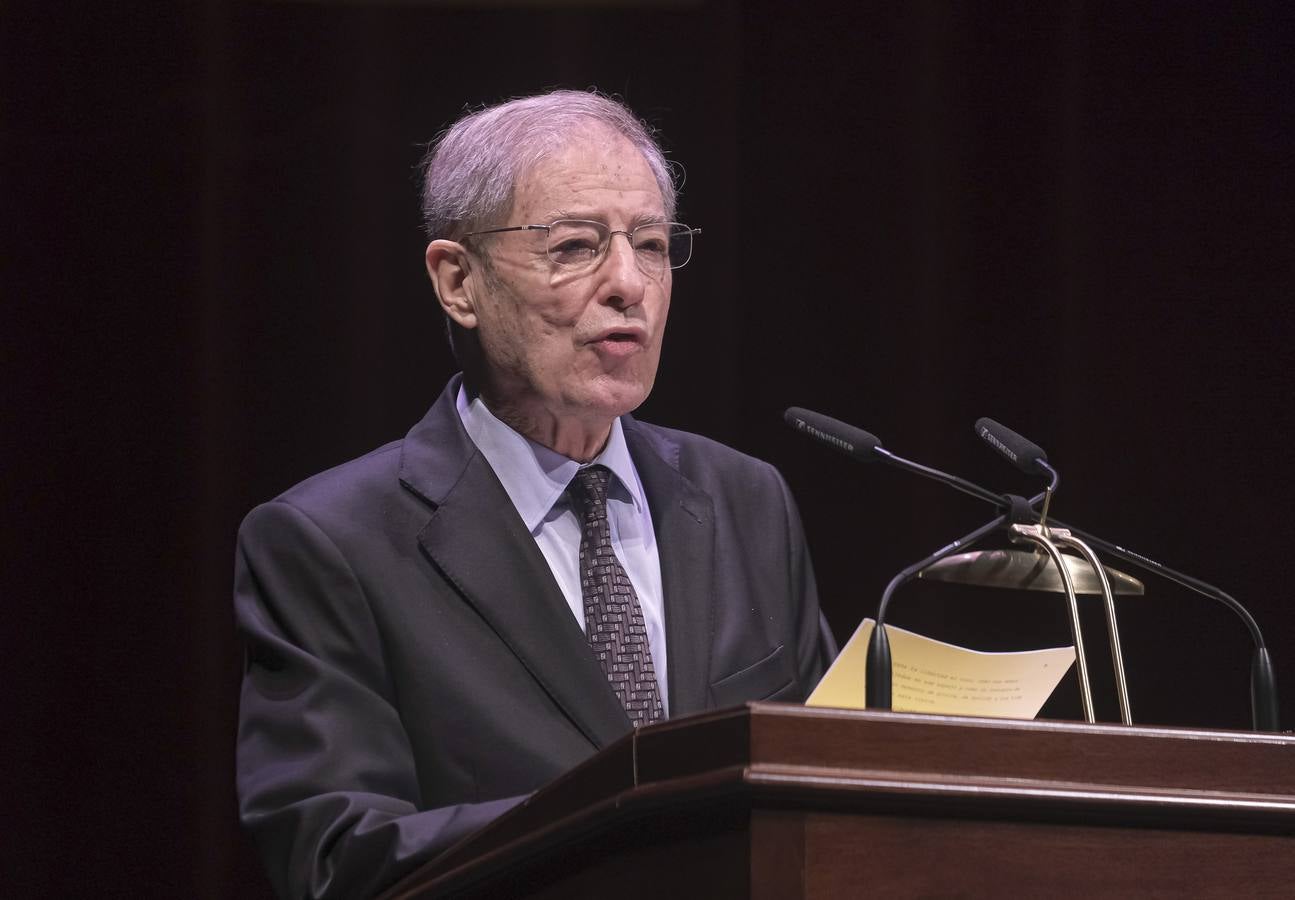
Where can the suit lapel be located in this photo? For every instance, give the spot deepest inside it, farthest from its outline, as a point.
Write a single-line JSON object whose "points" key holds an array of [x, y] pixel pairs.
{"points": [[683, 518], [480, 544]]}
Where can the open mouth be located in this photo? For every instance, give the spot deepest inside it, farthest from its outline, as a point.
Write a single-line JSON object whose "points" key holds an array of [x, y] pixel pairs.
{"points": [[619, 343], [630, 335]]}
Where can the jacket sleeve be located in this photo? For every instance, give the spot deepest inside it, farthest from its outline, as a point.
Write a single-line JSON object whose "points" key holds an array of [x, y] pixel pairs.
{"points": [[328, 784]]}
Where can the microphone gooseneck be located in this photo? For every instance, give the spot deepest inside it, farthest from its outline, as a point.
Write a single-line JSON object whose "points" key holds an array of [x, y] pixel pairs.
{"points": [[865, 447], [1031, 459], [878, 665], [1263, 678]]}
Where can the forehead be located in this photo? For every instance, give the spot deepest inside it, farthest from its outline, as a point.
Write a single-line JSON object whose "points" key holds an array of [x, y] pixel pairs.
{"points": [[595, 173]]}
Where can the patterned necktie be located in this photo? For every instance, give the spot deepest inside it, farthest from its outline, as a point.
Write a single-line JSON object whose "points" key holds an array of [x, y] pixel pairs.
{"points": [[613, 618]]}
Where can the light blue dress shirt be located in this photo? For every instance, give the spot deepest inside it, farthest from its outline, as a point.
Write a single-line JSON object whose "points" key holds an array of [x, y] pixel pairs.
{"points": [[536, 478]]}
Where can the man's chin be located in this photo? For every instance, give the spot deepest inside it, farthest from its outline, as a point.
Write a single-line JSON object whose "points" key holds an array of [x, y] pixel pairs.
{"points": [[610, 398]]}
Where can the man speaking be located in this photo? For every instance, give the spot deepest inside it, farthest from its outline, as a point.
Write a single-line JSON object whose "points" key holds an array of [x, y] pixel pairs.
{"points": [[439, 628]]}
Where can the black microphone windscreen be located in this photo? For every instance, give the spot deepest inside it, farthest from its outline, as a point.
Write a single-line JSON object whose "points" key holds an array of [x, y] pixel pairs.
{"points": [[1023, 454], [849, 440]]}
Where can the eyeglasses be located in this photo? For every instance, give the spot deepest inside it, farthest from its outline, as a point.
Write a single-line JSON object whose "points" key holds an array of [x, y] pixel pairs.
{"points": [[579, 244]]}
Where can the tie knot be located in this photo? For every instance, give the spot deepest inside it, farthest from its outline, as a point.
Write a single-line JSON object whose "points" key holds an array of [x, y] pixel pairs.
{"points": [[589, 489]]}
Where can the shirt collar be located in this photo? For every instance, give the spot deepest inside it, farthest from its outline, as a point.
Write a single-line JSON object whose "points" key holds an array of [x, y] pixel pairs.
{"points": [[535, 477]]}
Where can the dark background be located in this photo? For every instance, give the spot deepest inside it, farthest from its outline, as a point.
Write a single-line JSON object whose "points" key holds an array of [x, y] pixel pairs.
{"points": [[1074, 217]]}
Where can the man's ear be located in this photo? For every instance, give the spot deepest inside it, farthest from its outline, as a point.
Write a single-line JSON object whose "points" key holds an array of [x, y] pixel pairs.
{"points": [[453, 278]]}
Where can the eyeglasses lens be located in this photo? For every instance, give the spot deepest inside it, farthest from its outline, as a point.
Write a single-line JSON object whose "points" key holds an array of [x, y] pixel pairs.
{"points": [[579, 244]]}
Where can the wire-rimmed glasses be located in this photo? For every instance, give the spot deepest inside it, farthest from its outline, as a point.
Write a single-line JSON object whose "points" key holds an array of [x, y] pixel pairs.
{"points": [[580, 244]]}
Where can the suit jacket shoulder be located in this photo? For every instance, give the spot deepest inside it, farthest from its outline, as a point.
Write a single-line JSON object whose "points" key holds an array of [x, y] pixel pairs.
{"points": [[724, 472]]}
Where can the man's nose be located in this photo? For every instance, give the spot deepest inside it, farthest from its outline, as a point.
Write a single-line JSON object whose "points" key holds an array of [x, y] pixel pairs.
{"points": [[626, 280]]}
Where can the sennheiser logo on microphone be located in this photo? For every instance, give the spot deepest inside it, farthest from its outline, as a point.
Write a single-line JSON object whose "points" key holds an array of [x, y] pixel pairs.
{"points": [[997, 444], [825, 437]]}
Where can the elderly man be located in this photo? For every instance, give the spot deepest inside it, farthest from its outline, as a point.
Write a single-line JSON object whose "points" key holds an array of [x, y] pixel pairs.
{"points": [[444, 625]]}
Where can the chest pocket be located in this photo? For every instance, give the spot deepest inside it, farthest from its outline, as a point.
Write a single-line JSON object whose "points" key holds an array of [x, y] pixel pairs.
{"points": [[763, 680]]}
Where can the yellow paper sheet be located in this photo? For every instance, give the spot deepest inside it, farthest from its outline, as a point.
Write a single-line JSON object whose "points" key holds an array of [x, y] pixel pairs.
{"points": [[934, 677]]}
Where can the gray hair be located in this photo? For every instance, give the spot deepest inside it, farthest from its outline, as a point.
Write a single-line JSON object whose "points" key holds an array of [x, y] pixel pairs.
{"points": [[471, 171]]}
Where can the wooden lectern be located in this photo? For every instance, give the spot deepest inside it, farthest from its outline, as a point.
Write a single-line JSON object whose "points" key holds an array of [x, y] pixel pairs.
{"points": [[776, 801]]}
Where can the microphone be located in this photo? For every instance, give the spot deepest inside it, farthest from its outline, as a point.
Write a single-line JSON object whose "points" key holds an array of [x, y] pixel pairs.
{"points": [[1263, 678], [1021, 453], [865, 447], [853, 442]]}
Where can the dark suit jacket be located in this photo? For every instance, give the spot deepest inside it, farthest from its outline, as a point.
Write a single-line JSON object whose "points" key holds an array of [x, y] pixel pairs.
{"points": [[413, 669]]}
